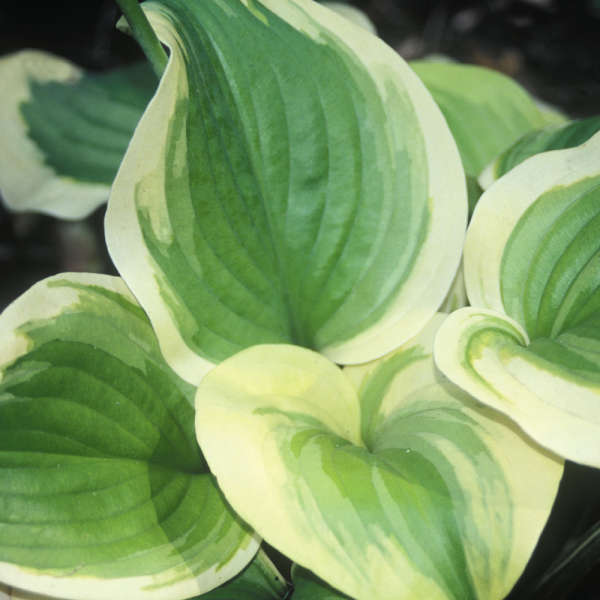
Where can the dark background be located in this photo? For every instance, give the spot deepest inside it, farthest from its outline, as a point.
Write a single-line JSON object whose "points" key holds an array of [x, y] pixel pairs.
{"points": [[552, 47]]}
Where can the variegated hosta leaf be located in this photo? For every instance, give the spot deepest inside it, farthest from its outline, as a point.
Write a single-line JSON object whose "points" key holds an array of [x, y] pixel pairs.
{"points": [[64, 132], [103, 490], [553, 137], [260, 580], [385, 480], [291, 181], [530, 346], [486, 111]]}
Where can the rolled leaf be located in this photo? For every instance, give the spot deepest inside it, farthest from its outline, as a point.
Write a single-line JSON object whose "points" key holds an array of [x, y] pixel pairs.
{"points": [[486, 111], [554, 137], [291, 181], [530, 346], [103, 490], [64, 131], [385, 480]]}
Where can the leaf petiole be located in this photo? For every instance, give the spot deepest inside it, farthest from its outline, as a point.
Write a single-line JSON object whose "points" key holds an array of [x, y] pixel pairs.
{"points": [[144, 34]]}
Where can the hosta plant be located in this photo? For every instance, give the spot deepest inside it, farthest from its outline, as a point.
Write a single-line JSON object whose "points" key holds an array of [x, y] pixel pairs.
{"points": [[287, 209]]}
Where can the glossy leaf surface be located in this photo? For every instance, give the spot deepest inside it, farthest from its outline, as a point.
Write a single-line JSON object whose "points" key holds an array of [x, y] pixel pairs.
{"points": [[554, 137]]}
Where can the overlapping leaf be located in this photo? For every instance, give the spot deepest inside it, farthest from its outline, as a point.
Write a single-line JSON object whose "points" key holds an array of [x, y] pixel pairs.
{"points": [[486, 111], [257, 581], [260, 580], [64, 131], [530, 346], [291, 181], [385, 480], [103, 490], [553, 137]]}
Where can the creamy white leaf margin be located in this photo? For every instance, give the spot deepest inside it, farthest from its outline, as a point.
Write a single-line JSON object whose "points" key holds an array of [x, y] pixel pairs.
{"points": [[26, 182], [559, 414], [438, 258], [484, 351], [252, 421], [500, 208], [48, 299]]}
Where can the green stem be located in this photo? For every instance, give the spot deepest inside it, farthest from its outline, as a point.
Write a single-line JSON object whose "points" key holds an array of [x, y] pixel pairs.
{"points": [[144, 34], [270, 574]]}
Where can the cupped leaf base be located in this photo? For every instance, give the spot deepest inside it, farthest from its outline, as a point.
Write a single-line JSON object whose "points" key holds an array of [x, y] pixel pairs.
{"points": [[385, 479]]}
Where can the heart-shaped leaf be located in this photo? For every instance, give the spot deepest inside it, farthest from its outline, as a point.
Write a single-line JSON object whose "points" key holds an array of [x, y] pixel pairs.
{"points": [[103, 490], [291, 181], [530, 346], [385, 480]]}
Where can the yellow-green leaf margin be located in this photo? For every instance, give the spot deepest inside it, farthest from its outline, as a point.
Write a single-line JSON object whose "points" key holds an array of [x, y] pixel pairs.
{"points": [[292, 181], [530, 343], [384, 479]]}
